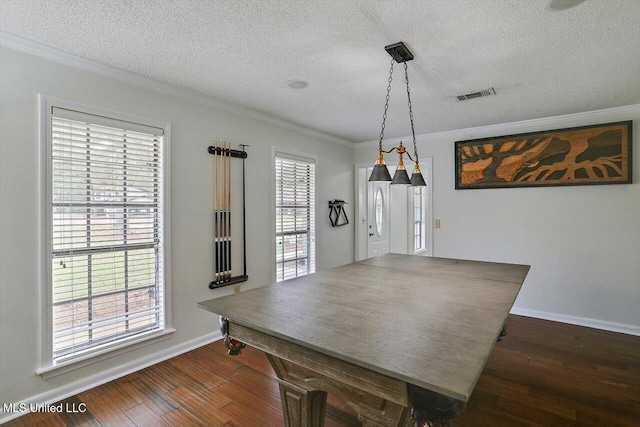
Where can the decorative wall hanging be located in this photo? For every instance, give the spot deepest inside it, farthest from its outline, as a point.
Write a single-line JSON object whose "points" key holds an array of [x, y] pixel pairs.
{"points": [[222, 214], [596, 154], [337, 214]]}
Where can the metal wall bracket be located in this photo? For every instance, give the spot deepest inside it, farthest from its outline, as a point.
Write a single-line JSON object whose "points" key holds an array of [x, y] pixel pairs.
{"points": [[336, 211], [233, 153]]}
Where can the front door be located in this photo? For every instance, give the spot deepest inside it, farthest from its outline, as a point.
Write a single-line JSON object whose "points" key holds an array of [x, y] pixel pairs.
{"points": [[378, 219]]}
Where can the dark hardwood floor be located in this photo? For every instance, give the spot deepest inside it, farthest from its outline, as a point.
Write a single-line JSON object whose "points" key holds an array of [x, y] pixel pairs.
{"points": [[543, 374]]}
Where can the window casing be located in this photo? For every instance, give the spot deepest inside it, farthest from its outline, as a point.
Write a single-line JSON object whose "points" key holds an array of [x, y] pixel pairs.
{"points": [[295, 216], [105, 220]]}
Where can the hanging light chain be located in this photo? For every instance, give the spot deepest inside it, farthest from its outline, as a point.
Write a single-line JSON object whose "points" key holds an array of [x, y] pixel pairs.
{"points": [[386, 103], [413, 132]]}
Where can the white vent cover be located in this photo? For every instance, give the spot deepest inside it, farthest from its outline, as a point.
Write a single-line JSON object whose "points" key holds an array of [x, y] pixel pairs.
{"points": [[486, 92]]}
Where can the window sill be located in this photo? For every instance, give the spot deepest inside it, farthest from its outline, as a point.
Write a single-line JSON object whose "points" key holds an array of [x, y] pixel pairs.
{"points": [[54, 370]]}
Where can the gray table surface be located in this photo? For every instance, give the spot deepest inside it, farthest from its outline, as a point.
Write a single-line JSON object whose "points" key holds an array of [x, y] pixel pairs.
{"points": [[431, 322]]}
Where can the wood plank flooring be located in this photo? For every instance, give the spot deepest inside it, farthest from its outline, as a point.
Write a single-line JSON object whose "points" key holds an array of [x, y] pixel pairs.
{"points": [[544, 374]]}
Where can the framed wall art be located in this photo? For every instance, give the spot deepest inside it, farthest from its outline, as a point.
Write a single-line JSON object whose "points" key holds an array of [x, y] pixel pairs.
{"points": [[596, 154]]}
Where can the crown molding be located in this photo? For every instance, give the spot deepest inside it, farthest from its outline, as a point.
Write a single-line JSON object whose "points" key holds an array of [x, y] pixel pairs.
{"points": [[514, 127], [40, 50]]}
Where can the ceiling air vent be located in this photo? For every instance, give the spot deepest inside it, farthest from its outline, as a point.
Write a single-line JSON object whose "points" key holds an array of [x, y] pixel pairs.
{"points": [[486, 92]]}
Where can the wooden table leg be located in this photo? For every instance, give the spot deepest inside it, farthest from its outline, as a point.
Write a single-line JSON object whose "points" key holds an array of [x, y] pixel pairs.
{"points": [[302, 408], [305, 377], [304, 397]]}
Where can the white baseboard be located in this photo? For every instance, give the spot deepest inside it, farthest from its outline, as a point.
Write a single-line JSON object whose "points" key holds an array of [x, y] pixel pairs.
{"points": [[580, 321], [87, 383]]}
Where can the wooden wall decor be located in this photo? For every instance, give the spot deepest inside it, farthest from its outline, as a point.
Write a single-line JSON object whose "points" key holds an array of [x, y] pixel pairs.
{"points": [[596, 154]]}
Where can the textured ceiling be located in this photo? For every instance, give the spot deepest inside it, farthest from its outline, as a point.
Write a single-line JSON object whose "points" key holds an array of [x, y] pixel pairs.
{"points": [[541, 63]]}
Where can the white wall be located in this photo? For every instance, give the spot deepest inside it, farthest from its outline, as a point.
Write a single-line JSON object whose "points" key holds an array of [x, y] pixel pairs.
{"points": [[22, 78], [582, 242]]}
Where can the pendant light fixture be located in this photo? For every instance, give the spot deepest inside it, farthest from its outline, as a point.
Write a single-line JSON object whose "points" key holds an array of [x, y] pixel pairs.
{"points": [[400, 54]]}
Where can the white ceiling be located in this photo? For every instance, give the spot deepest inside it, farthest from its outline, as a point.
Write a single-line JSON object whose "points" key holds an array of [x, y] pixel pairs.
{"points": [[541, 63]]}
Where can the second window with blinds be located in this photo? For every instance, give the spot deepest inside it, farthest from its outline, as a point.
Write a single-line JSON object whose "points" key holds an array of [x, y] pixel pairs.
{"points": [[295, 216]]}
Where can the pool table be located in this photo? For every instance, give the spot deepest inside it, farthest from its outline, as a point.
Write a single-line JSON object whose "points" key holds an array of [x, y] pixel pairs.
{"points": [[400, 338]]}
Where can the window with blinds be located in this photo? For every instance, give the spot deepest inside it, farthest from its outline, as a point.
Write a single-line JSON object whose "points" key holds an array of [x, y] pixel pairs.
{"points": [[106, 235], [295, 216]]}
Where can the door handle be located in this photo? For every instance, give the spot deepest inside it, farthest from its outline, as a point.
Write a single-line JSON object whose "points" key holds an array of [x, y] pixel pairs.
{"points": [[370, 234]]}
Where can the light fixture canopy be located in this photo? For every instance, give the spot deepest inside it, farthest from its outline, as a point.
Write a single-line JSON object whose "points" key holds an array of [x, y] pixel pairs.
{"points": [[400, 54]]}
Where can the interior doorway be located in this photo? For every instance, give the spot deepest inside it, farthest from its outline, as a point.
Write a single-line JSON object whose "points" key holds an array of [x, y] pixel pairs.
{"points": [[396, 219]]}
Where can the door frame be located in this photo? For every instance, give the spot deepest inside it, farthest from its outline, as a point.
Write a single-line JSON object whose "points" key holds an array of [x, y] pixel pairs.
{"points": [[361, 204]]}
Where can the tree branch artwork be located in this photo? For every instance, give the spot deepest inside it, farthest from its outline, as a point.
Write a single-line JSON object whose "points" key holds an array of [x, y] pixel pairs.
{"points": [[597, 154]]}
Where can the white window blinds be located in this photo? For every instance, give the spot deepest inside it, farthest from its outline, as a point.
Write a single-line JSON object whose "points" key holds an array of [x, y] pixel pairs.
{"points": [[295, 216], [107, 253]]}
